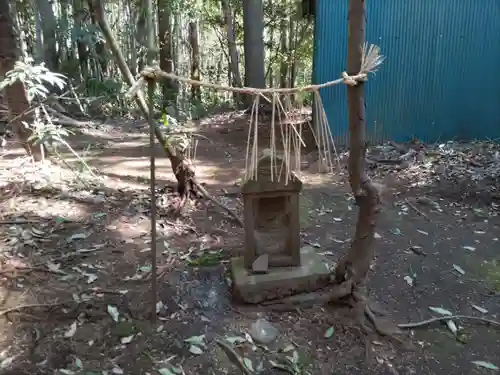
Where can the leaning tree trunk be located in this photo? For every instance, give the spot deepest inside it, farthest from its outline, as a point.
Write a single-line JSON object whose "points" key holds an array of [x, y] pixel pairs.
{"points": [[356, 262], [183, 172], [17, 99]]}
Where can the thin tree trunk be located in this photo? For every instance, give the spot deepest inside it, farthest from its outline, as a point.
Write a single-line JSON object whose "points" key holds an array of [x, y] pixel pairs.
{"points": [[131, 38], [233, 52], [49, 31], [83, 52], [290, 56], [284, 52], [17, 100], [169, 87], [102, 56], [367, 195], [195, 59]]}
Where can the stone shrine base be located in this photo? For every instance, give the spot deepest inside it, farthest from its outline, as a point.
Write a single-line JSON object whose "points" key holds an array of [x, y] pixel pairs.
{"points": [[280, 282]]}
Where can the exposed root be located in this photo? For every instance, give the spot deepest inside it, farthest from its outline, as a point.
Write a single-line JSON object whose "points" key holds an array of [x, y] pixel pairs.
{"points": [[446, 318], [21, 308], [336, 293], [383, 326], [416, 209], [208, 196], [188, 186]]}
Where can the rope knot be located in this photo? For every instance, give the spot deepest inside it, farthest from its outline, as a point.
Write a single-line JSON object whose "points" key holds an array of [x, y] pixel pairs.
{"points": [[348, 80], [149, 72]]}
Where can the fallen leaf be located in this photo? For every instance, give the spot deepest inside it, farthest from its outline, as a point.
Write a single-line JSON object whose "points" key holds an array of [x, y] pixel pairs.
{"points": [[487, 365], [91, 277], [248, 363], [458, 269], [113, 311], [452, 326], [377, 236], [440, 310], [117, 370], [196, 340], [470, 248], [78, 236], [409, 280], [55, 267], [78, 363], [235, 339], [159, 306], [329, 332], [280, 366], [195, 350], [127, 339], [422, 232], [165, 371], [480, 309], [288, 348], [71, 331]]}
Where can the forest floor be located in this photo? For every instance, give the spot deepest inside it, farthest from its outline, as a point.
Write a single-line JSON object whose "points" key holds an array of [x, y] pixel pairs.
{"points": [[75, 289]]}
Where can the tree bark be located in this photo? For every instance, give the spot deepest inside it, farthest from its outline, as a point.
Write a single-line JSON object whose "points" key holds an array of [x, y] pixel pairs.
{"points": [[49, 32], [253, 24], [284, 52], [17, 99], [231, 41], [357, 260], [195, 59], [82, 48], [169, 87]]}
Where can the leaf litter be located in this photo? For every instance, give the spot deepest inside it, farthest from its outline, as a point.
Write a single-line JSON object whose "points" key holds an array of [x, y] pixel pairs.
{"points": [[39, 234]]}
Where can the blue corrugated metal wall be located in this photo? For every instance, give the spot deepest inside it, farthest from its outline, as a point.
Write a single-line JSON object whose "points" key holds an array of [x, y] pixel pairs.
{"points": [[441, 76]]}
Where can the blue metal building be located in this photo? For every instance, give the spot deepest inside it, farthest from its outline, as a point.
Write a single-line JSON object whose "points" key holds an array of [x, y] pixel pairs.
{"points": [[441, 76]]}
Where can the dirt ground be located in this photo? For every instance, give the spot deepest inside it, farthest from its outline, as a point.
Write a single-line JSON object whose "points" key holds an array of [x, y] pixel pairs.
{"points": [[75, 263]]}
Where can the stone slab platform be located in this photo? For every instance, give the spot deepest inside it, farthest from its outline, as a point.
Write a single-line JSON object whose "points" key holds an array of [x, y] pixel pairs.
{"points": [[312, 275]]}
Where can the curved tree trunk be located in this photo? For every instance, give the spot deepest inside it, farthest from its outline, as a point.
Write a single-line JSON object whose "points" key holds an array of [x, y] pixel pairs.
{"points": [[17, 99], [357, 260]]}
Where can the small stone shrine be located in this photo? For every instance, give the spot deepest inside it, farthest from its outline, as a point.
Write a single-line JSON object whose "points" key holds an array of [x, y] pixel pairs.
{"points": [[274, 265]]}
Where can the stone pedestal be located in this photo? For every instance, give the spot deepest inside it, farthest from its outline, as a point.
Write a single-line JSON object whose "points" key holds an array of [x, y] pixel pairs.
{"points": [[312, 274]]}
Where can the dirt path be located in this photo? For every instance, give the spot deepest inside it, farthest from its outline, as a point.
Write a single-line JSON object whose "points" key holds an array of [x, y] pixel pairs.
{"points": [[86, 252]]}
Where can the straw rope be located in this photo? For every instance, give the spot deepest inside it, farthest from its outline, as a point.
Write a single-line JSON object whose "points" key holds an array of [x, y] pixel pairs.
{"points": [[291, 133]]}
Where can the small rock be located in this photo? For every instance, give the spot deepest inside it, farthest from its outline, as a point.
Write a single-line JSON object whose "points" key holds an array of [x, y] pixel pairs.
{"points": [[261, 264], [263, 332]]}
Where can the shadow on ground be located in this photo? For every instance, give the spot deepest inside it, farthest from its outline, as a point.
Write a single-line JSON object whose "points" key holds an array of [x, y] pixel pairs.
{"points": [[76, 289]]}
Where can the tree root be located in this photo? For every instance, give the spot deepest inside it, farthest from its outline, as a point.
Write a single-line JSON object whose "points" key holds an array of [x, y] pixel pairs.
{"points": [[336, 293], [226, 209], [188, 186], [446, 318]]}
